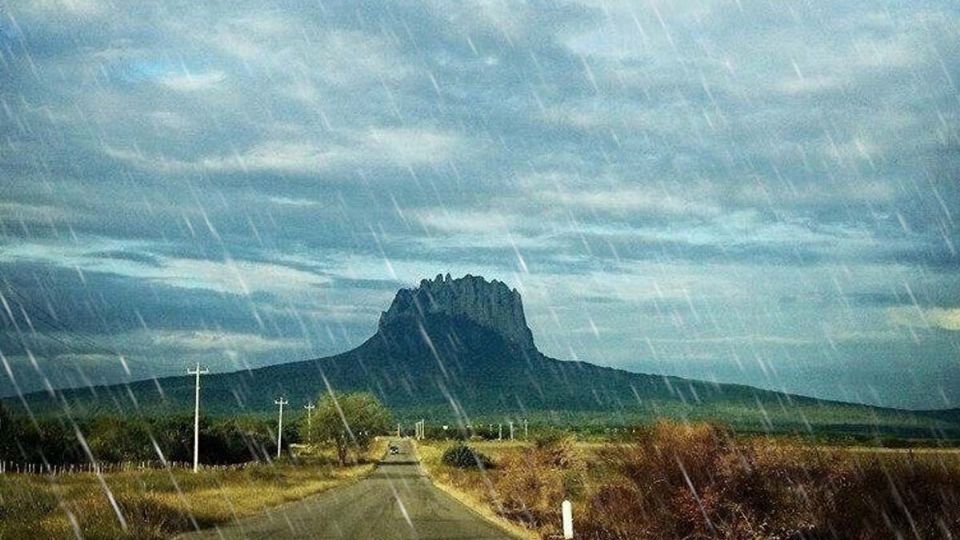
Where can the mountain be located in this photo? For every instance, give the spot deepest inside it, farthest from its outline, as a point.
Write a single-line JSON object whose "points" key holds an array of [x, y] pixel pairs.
{"points": [[460, 350]]}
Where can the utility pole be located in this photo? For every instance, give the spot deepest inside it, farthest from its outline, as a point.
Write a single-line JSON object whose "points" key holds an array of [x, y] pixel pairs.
{"points": [[310, 407], [281, 402], [196, 415]]}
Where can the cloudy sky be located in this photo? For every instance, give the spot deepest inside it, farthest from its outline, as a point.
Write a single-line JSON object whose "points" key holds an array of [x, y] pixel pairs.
{"points": [[753, 191]]}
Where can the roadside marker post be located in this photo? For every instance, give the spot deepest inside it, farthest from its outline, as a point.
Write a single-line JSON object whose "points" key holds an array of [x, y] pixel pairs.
{"points": [[196, 415], [567, 510], [281, 402]]}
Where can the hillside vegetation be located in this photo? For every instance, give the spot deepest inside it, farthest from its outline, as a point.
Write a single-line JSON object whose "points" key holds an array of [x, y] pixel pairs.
{"points": [[454, 349]]}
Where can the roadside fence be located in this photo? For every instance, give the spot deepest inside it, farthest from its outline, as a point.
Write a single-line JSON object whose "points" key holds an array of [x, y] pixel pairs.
{"points": [[13, 467]]}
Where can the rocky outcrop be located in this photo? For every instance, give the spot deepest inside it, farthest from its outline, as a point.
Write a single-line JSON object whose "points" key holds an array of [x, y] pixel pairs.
{"points": [[488, 303]]}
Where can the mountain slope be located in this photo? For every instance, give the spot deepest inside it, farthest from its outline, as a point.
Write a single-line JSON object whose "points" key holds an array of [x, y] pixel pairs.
{"points": [[460, 350]]}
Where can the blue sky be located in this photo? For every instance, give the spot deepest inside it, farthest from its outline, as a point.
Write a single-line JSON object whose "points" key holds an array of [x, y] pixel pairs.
{"points": [[748, 191]]}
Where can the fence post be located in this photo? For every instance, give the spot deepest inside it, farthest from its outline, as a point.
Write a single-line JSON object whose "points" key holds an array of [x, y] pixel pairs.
{"points": [[567, 520]]}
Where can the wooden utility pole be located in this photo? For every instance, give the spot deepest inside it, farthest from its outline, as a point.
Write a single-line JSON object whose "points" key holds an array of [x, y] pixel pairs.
{"points": [[281, 402], [196, 415]]}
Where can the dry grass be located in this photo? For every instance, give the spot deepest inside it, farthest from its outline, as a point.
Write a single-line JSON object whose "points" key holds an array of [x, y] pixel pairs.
{"points": [[461, 484], [157, 503], [698, 481]]}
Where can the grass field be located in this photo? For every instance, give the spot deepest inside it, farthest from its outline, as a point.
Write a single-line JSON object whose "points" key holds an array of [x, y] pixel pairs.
{"points": [[159, 503], [700, 481]]}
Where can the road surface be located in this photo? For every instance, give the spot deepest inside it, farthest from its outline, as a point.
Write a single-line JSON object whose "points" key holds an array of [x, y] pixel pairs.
{"points": [[396, 501]]}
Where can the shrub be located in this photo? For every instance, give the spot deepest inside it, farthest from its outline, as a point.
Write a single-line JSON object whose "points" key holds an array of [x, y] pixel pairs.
{"points": [[697, 481], [462, 456], [536, 479]]}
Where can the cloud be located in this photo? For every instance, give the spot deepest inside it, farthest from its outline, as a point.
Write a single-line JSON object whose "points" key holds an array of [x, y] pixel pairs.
{"points": [[204, 341], [622, 200], [332, 57], [468, 221], [376, 146], [12, 211], [192, 82], [918, 317], [229, 275], [671, 169], [83, 8], [948, 319]]}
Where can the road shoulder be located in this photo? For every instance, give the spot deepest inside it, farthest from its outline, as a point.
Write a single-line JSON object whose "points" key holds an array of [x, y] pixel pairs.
{"points": [[471, 502]]}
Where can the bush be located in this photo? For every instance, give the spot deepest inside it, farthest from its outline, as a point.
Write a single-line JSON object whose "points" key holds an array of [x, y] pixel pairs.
{"points": [[462, 456], [558, 449], [698, 481], [695, 481], [551, 471]]}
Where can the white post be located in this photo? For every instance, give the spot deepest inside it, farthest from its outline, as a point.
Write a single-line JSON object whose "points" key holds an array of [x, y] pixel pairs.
{"points": [[499, 432], [567, 520], [398, 431], [281, 402], [511, 430], [526, 431], [309, 407], [196, 415]]}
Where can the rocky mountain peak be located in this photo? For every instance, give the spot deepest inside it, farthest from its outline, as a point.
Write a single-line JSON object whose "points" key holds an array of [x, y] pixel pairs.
{"points": [[489, 303]]}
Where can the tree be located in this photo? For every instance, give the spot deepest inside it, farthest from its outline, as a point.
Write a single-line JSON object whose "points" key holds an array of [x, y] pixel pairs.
{"points": [[349, 422]]}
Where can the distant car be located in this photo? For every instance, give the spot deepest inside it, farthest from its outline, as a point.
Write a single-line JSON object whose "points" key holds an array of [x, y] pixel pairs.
{"points": [[394, 450]]}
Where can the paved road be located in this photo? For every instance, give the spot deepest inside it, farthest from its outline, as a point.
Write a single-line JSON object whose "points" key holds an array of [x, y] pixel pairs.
{"points": [[396, 501]]}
